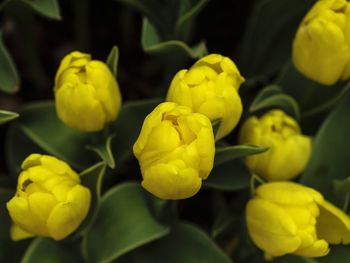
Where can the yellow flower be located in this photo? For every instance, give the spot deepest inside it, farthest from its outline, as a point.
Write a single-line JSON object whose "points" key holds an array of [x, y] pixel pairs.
{"points": [[175, 150], [49, 200], [210, 87], [289, 150], [321, 48], [86, 93], [289, 218]]}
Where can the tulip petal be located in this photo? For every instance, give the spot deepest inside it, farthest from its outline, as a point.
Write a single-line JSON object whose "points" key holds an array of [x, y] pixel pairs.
{"points": [[288, 193], [40, 205], [333, 224], [67, 216], [17, 233], [271, 228], [318, 249], [167, 181]]}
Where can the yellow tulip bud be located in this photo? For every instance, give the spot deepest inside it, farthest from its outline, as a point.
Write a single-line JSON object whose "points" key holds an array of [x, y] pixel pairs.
{"points": [[86, 93], [49, 201], [210, 87], [289, 218], [175, 150], [321, 48], [289, 150]]}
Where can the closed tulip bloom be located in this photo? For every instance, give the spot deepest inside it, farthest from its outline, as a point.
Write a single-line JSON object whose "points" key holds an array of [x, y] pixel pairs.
{"points": [[210, 87], [289, 150], [86, 93], [49, 201], [321, 48], [175, 150], [289, 218]]}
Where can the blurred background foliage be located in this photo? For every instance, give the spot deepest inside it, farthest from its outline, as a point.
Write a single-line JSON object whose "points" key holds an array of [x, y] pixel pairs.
{"points": [[148, 41]]}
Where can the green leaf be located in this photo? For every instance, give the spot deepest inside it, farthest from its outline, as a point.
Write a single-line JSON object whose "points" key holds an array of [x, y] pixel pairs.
{"points": [[128, 126], [188, 9], [272, 97], [9, 79], [228, 153], [104, 151], [15, 155], [41, 124], [92, 178], [152, 43], [267, 92], [47, 8], [338, 254], [46, 250], [266, 44], [185, 243], [228, 176], [342, 192], [330, 159], [126, 222], [216, 125], [112, 60], [6, 116], [312, 97]]}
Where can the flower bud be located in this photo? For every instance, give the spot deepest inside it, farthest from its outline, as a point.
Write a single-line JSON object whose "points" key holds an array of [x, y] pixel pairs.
{"points": [[49, 200], [289, 218], [175, 150], [321, 48], [210, 87], [86, 93], [289, 150]]}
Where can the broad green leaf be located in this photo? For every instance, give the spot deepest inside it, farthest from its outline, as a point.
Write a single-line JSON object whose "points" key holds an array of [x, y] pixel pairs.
{"points": [[228, 153], [9, 79], [15, 155], [92, 178], [10, 252], [153, 44], [6, 116], [223, 218], [338, 254], [267, 92], [187, 11], [104, 151], [186, 243], [125, 221], [330, 159], [311, 96], [273, 97], [41, 124], [48, 8], [112, 60], [266, 45], [46, 250], [342, 192], [128, 126], [228, 176], [216, 125]]}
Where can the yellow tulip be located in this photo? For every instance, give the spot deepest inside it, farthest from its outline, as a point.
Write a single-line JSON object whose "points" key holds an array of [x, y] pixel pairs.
{"points": [[289, 150], [49, 201], [321, 49], [210, 87], [289, 218], [175, 150], [86, 93]]}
